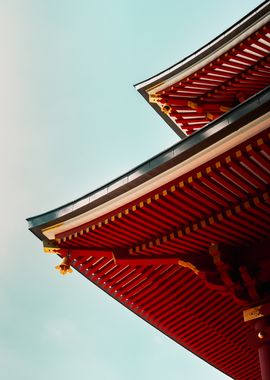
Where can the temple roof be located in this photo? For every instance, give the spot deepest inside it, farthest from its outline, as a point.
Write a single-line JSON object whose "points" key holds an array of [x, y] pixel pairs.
{"points": [[182, 240], [217, 77], [159, 246]]}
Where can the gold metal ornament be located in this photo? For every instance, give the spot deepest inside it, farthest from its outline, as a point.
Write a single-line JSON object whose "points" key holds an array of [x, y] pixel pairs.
{"points": [[64, 266]]}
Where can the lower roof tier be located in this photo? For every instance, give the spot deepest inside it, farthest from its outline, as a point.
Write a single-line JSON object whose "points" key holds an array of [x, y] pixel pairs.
{"points": [[162, 256], [189, 251]]}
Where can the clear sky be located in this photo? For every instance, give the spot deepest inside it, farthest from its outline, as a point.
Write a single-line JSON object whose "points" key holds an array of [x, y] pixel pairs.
{"points": [[70, 122]]}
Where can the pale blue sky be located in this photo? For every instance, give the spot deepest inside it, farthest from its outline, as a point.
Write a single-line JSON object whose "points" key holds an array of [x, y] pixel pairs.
{"points": [[71, 121]]}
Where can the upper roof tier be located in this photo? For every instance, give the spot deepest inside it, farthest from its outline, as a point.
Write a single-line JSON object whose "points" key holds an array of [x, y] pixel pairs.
{"points": [[216, 78]]}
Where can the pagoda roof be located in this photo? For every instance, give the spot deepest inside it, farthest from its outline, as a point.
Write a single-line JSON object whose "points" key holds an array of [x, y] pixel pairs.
{"points": [[182, 240], [152, 250], [215, 78]]}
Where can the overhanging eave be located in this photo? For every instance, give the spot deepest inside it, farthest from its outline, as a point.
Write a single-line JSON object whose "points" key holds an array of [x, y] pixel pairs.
{"points": [[213, 133]]}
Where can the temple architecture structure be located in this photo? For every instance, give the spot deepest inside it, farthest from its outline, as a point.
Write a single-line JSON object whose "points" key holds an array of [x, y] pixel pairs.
{"points": [[183, 240]]}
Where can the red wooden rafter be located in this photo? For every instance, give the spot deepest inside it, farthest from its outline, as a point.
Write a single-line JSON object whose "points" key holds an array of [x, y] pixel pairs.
{"points": [[227, 81], [135, 251]]}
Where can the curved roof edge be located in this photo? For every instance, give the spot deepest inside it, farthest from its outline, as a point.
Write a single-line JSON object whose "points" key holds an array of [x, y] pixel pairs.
{"points": [[236, 30], [222, 127]]}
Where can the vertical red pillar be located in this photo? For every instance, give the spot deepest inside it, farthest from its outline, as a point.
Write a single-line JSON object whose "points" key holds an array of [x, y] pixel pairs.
{"points": [[262, 329]]}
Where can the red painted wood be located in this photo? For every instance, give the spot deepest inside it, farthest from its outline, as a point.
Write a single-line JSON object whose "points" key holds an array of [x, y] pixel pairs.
{"points": [[230, 79]]}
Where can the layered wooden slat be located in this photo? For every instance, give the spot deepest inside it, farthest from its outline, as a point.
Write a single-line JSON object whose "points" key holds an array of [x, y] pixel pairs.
{"points": [[227, 81], [225, 201]]}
